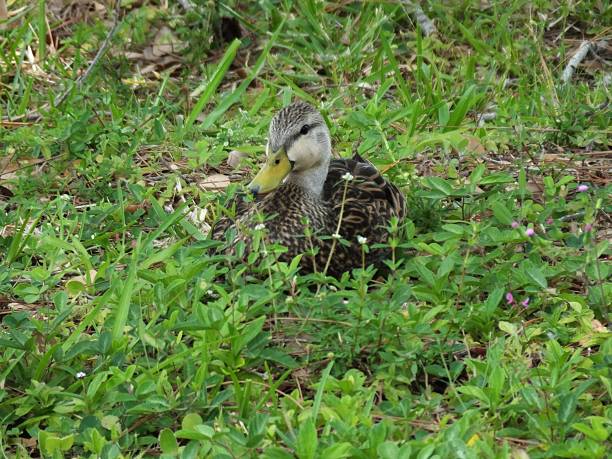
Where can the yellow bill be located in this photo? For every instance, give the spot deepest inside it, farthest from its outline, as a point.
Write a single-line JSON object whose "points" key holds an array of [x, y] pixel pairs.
{"points": [[277, 167]]}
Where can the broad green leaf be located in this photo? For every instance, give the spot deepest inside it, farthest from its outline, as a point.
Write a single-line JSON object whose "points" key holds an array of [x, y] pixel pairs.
{"points": [[475, 392], [502, 213], [277, 453], [167, 442], [388, 450], [440, 185], [508, 327], [191, 420], [567, 406], [248, 333], [337, 451], [537, 276], [307, 441], [497, 178]]}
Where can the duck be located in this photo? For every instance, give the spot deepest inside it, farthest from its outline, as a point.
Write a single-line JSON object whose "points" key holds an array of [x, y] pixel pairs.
{"points": [[326, 209]]}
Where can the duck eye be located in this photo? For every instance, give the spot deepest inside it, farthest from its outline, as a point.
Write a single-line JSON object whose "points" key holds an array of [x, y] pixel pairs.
{"points": [[305, 129]]}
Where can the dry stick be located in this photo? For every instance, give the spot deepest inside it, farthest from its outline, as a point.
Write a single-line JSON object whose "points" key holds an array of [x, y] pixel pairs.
{"points": [[426, 24], [35, 115], [575, 61]]}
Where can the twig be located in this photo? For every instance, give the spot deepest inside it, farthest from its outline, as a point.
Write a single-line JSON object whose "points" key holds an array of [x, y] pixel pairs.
{"points": [[426, 24], [575, 61], [572, 217]]}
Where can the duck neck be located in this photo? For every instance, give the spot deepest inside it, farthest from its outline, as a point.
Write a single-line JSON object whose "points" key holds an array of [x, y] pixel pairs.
{"points": [[311, 180]]}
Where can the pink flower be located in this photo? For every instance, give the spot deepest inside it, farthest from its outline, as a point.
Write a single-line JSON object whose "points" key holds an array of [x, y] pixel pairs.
{"points": [[582, 188], [588, 227], [515, 224], [509, 298], [529, 232], [525, 302], [549, 221]]}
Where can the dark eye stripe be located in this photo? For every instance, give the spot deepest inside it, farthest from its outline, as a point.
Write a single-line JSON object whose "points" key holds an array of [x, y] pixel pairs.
{"points": [[297, 135]]}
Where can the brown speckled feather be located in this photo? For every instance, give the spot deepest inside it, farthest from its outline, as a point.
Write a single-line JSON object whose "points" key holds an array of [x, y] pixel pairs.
{"points": [[369, 204]]}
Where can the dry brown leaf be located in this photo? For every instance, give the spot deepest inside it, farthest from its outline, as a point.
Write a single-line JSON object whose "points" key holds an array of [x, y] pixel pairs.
{"points": [[475, 146], [235, 157], [165, 43], [598, 326]]}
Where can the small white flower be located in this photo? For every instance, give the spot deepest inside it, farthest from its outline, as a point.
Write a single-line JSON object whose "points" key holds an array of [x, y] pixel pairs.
{"points": [[348, 177], [345, 302], [80, 375], [336, 236], [209, 292], [362, 240], [260, 227]]}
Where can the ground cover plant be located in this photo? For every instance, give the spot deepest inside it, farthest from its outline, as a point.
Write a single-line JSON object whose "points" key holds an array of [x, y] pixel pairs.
{"points": [[122, 334]]}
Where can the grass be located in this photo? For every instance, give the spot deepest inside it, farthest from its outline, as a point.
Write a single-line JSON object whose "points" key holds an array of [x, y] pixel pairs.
{"points": [[123, 335]]}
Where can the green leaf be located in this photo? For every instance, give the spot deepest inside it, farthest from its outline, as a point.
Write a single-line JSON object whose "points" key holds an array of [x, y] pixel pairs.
{"points": [[248, 333], [319, 395], [440, 185], [307, 440], [567, 407], [496, 382], [508, 327], [443, 114], [501, 212], [596, 431], [167, 442], [277, 453], [337, 451], [537, 276], [475, 392], [191, 420], [476, 176], [388, 450], [497, 178], [522, 183], [425, 274]]}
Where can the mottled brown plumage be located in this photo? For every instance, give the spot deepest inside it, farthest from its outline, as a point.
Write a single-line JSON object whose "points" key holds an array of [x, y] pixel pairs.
{"points": [[351, 187]]}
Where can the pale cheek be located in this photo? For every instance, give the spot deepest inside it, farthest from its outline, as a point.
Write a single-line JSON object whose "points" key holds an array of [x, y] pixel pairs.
{"points": [[303, 154]]}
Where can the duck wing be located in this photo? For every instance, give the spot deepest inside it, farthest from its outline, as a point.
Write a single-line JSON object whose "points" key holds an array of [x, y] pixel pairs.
{"points": [[370, 201]]}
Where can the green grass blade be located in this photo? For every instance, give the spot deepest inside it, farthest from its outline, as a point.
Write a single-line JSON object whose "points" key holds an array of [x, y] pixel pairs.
{"points": [[467, 100], [123, 306], [214, 82], [234, 97], [319, 395]]}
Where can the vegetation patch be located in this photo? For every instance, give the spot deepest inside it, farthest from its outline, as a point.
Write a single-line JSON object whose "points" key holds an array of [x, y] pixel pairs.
{"points": [[127, 130]]}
